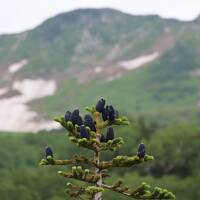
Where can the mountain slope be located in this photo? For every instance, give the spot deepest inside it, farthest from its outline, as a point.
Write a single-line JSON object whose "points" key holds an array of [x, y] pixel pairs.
{"points": [[83, 38], [90, 53]]}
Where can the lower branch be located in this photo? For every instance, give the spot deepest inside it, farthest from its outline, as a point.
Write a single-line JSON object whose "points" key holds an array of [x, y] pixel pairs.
{"points": [[76, 160], [142, 192], [114, 189]]}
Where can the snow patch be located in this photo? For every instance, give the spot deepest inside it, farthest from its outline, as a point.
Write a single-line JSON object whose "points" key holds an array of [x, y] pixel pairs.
{"points": [[33, 89], [17, 66], [139, 61], [16, 116], [98, 69], [3, 91]]}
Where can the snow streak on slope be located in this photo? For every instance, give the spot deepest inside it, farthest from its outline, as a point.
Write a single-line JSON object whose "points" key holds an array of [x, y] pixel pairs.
{"points": [[17, 66], [139, 61]]}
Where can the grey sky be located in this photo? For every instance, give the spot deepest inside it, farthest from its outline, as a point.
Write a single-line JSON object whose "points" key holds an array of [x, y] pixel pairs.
{"points": [[19, 15]]}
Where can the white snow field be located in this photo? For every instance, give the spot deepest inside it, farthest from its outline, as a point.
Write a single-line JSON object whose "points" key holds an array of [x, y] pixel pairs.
{"points": [[16, 116]]}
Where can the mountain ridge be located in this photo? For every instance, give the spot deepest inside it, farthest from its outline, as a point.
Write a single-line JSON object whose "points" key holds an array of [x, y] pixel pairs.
{"points": [[85, 10], [73, 14]]}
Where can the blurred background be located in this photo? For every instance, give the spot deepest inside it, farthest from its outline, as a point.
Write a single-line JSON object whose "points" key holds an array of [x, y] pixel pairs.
{"points": [[141, 56]]}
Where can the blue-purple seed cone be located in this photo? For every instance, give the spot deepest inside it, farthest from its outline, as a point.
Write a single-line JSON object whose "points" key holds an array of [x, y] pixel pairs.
{"points": [[48, 152], [79, 121], [67, 116], [105, 114], [111, 113], [74, 116], [102, 139], [83, 132], [88, 121], [109, 134], [100, 105], [141, 151]]}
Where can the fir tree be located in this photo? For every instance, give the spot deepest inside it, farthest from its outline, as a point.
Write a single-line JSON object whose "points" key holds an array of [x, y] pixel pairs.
{"points": [[88, 132]]}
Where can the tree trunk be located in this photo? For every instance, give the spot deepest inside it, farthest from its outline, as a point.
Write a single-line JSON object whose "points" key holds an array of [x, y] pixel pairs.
{"points": [[98, 196]]}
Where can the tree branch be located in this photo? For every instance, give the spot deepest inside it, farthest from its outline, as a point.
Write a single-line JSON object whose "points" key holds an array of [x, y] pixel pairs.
{"points": [[113, 189]]}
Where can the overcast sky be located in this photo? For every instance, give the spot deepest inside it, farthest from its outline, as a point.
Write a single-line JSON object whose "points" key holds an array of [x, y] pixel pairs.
{"points": [[20, 15]]}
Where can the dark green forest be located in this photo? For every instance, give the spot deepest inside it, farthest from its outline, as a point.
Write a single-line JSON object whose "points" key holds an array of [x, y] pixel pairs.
{"points": [[176, 165]]}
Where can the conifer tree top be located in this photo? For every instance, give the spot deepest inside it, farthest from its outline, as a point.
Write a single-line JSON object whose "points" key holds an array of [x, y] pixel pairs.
{"points": [[95, 132]]}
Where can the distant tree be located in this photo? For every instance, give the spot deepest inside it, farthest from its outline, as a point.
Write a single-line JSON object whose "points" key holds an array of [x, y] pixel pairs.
{"points": [[147, 129], [89, 132]]}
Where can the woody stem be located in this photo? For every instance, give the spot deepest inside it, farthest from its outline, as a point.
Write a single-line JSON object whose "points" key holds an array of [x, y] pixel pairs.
{"points": [[98, 196]]}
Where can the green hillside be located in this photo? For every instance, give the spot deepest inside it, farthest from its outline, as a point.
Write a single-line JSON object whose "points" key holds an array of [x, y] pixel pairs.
{"points": [[83, 38], [167, 88], [68, 47]]}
